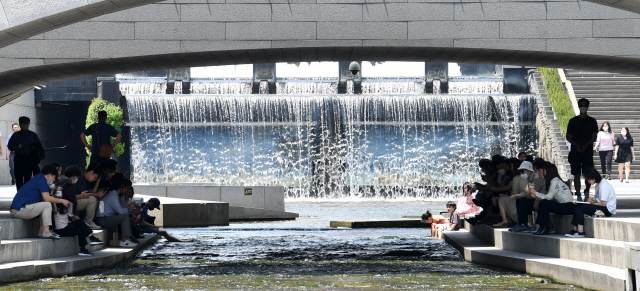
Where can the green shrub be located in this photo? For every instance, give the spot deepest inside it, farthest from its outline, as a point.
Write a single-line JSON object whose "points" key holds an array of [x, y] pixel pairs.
{"points": [[114, 118], [557, 97]]}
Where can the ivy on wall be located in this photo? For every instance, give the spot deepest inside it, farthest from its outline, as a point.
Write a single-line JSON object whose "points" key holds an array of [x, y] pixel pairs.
{"points": [[557, 96]]}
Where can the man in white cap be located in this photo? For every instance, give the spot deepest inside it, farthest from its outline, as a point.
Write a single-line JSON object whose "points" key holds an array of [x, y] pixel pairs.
{"points": [[507, 204], [524, 205]]}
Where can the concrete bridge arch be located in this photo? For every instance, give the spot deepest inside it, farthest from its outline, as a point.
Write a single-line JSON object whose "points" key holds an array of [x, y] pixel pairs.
{"points": [[182, 33]]}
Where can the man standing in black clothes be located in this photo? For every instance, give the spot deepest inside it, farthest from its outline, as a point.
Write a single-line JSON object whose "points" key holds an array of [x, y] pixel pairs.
{"points": [[27, 147], [582, 132], [101, 132]]}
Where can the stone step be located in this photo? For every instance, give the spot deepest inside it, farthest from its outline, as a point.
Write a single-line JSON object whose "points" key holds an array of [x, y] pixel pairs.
{"points": [[13, 228], [590, 250], [588, 275], [29, 249], [381, 223], [55, 267]]}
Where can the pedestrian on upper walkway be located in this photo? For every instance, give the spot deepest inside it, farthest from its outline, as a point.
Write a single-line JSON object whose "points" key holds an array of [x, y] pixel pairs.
{"points": [[29, 151], [624, 153], [101, 134], [605, 141], [582, 132]]}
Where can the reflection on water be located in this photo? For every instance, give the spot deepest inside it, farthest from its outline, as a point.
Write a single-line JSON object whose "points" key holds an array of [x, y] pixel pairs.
{"points": [[304, 255]]}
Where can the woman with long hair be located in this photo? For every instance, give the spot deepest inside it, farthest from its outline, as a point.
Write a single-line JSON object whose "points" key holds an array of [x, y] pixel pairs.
{"points": [[624, 153], [604, 145], [558, 199]]}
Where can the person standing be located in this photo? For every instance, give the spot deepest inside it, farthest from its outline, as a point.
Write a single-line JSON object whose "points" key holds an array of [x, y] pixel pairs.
{"points": [[11, 154], [28, 152], [624, 153], [582, 132], [606, 141], [101, 134]]}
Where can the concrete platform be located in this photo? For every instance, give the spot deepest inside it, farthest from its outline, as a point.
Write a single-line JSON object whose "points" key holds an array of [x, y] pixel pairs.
{"points": [[258, 214], [56, 267], [588, 275], [177, 212], [381, 223]]}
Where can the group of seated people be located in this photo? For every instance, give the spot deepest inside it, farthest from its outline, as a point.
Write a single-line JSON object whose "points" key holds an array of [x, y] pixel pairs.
{"points": [[76, 203], [513, 188]]}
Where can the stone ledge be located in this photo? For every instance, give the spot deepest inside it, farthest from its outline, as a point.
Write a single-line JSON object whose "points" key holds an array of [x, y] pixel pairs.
{"points": [[56, 267]]}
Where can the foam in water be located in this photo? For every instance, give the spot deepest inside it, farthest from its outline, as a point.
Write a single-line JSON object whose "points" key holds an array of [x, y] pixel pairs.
{"points": [[329, 146], [222, 86]]}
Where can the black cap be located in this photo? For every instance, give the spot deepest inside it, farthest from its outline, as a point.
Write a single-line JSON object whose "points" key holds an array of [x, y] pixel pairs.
{"points": [[156, 203]]}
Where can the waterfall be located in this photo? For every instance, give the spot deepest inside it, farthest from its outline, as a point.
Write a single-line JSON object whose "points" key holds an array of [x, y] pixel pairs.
{"points": [[478, 86], [221, 86], [327, 146], [400, 86], [142, 87], [318, 86]]}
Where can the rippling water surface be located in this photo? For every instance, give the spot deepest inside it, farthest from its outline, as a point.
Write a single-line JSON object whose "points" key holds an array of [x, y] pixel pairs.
{"points": [[304, 254]]}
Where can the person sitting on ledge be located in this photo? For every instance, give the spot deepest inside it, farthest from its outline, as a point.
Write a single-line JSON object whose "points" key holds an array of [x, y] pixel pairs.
{"points": [[76, 227], [465, 204], [86, 196], [435, 220], [113, 214], [27, 202], [604, 202], [146, 227]]}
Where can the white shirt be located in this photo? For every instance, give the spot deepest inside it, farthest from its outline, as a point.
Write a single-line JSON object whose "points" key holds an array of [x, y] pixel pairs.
{"points": [[606, 140], [605, 192], [62, 220]]}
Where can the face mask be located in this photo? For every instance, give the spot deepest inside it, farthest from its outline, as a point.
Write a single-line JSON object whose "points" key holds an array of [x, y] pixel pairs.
{"points": [[50, 185], [583, 109], [24, 126], [624, 132], [502, 172], [74, 181], [524, 176], [110, 175], [605, 128]]}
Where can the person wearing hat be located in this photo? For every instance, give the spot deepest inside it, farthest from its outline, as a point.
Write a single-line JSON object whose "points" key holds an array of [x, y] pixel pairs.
{"points": [[146, 227], [507, 204]]}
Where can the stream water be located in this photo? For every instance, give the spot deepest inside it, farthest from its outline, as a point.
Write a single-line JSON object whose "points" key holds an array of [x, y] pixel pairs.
{"points": [[304, 254]]}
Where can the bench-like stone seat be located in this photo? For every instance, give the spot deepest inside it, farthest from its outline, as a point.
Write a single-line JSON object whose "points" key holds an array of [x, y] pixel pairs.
{"points": [[30, 249]]}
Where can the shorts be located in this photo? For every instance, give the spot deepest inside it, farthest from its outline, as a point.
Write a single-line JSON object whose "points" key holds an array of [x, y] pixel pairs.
{"points": [[443, 227], [147, 229], [580, 161]]}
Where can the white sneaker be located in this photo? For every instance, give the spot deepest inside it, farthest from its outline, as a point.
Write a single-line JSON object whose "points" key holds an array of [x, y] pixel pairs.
{"points": [[128, 244], [93, 225]]}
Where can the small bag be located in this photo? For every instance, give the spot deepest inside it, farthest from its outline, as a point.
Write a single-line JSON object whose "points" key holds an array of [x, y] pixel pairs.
{"points": [[105, 149]]}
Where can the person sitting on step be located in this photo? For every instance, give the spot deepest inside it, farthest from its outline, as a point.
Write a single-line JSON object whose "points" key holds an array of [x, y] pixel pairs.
{"points": [[75, 227], [145, 227], [112, 214], [86, 196], [603, 203], [28, 202], [435, 220]]}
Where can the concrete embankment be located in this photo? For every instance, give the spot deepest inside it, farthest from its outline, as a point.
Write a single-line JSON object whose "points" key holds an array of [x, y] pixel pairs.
{"points": [[380, 223], [607, 259]]}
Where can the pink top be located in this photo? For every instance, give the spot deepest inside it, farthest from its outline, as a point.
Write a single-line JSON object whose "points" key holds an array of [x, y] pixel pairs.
{"points": [[606, 140], [465, 205]]}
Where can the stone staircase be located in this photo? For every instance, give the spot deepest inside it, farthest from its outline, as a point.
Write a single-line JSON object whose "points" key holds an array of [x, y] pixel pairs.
{"points": [[614, 98], [604, 260], [24, 256], [552, 141]]}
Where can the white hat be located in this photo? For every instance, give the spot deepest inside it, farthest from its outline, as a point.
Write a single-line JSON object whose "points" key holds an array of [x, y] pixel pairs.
{"points": [[526, 165]]}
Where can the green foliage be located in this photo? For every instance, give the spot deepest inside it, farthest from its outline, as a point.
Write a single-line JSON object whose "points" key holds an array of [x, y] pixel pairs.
{"points": [[557, 97], [114, 118]]}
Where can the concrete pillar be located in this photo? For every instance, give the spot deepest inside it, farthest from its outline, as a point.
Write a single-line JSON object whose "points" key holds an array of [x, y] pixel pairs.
{"points": [[124, 160], [264, 72], [345, 75], [183, 75], [436, 71]]}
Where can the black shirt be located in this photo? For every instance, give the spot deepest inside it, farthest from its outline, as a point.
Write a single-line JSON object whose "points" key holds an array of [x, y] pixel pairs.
{"points": [[26, 138], [82, 185], [582, 130], [106, 132], [624, 145]]}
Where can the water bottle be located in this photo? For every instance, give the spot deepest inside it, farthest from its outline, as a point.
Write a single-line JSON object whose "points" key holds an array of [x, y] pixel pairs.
{"points": [[59, 191]]}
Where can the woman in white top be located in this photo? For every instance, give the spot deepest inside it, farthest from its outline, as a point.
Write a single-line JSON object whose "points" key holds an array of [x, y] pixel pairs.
{"points": [[604, 200], [558, 199], [605, 141]]}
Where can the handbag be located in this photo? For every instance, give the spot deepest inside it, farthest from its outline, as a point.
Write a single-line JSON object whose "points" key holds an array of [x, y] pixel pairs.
{"points": [[105, 149]]}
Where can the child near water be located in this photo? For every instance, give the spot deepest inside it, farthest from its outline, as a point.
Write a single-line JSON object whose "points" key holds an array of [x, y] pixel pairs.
{"points": [[440, 223]]}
